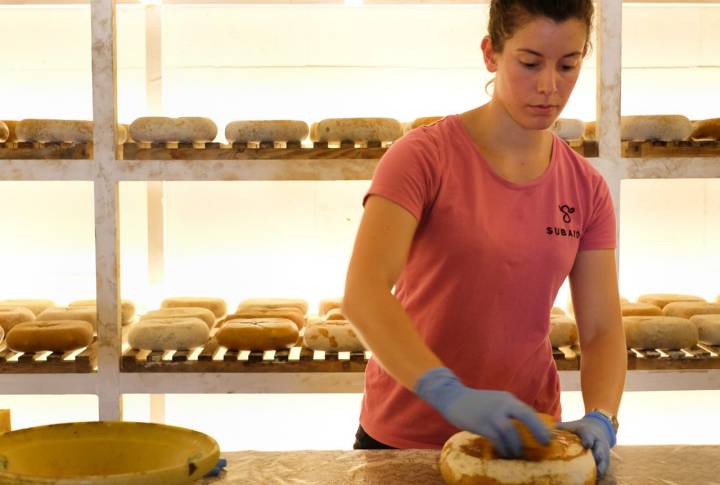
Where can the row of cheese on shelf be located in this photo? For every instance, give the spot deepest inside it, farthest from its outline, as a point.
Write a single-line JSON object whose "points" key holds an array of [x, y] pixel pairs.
{"points": [[655, 321], [181, 323], [376, 130], [256, 325]]}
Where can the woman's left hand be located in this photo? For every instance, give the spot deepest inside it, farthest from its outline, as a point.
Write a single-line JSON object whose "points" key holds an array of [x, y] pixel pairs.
{"points": [[596, 433]]}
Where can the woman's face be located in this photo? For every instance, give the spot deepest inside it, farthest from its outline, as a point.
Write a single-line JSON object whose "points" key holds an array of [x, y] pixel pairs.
{"points": [[537, 70]]}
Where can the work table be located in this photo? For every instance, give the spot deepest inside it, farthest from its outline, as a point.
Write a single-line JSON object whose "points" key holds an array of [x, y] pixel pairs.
{"points": [[636, 465]]}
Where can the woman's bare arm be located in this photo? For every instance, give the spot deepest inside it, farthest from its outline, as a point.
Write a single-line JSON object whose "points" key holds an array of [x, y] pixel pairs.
{"points": [[381, 249], [593, 282]]}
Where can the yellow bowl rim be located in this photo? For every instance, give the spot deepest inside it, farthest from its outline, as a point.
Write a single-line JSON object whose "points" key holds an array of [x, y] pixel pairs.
{"points": [[6, 474]]}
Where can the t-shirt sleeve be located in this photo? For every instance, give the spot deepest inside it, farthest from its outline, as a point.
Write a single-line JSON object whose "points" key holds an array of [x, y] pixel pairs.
{"points": [[600, 231], [407, 173]]}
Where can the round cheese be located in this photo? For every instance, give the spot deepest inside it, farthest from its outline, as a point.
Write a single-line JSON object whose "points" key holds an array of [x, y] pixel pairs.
{"points": [[469, 459]]}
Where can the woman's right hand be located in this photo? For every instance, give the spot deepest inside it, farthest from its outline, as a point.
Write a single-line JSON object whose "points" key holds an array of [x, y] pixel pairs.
{"points": [[484, 412]]}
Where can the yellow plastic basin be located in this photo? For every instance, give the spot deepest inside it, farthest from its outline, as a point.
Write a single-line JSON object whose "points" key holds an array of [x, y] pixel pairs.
{"points": [[109, 452]]}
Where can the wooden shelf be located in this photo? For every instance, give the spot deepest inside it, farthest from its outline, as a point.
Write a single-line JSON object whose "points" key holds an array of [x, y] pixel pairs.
{"points": [[78, 361]]}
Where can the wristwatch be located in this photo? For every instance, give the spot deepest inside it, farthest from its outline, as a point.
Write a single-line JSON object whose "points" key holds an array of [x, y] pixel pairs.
{"points": [[611, 417]]}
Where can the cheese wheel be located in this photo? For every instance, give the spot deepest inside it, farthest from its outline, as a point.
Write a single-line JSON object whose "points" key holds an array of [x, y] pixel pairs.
{"points": [[334, 335], [215, 305], [159, 129], [706, 129], [75, 131], [290, 313], [56, 336], [469, 459], [556, 310], [203, 314], [653, 332], [258, 334], [266, 130], [563, 331], [357, 129], [630, 309], [328, 304], [35, 306], [590, 131], [655, 127], [568, 128], [335, 314], [662, 299], [708, 327], [11, 316], [4, 132], [168, 334], [424, 121], [87, 314], [12, 130], [256, 303], [127, 308], [686, 309]]}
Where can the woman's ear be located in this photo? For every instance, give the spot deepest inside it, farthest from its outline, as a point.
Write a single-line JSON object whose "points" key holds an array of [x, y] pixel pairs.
{"points": [[488, 54]]}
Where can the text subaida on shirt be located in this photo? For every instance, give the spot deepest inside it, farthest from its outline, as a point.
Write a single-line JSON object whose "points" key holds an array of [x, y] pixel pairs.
{"points": [[561, 231]]}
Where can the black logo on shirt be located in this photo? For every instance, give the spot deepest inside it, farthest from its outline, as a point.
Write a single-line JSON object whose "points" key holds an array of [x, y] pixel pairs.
{"points": [[561, 231], [566, 211]]}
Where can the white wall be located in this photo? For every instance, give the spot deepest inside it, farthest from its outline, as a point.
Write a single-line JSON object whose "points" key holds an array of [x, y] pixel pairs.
{"points": [[294, 238]]}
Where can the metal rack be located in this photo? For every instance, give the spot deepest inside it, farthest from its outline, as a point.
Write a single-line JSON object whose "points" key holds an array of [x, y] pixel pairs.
{"points": [[117, 373]]}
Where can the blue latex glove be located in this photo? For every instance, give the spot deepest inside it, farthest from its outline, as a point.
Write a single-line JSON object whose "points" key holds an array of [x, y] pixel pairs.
{"points": [[596, 433], [219, 467], [482, 412]]}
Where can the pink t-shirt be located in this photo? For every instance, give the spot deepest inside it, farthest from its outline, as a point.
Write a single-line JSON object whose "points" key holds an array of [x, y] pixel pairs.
{"points": [[484, 268]]}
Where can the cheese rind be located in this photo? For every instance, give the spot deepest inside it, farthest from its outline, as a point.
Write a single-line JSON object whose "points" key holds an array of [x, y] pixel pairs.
{"points": [[687, 309], [127, 308], [563, 331], [256, 334], [185, 129], [87, 314], [290, 313], [203, 314], [357, 129], [662, 299], [269, 303], [215, 305], [659, 332], [332, 335], [706, 129], [708, 327], [641, 309], [4, 132], [11, 316], [469, 459], [56, 336], [655, 127], [73, 131], [35, 306], [168, 334], [266, 130], [327, 304], [568, 128]]}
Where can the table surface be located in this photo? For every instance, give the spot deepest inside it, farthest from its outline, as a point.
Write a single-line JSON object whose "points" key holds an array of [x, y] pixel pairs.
{"points": [[667, 465]]}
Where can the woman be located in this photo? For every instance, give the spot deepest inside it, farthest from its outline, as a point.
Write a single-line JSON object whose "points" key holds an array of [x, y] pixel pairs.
{"points": [[476, 221]]}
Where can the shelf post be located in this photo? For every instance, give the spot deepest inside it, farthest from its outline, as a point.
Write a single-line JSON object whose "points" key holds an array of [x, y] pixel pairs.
{"points": [[107, 260]]}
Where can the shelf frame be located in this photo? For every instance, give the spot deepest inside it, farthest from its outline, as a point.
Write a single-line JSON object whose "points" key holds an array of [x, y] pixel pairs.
{"points": [[106, 172]]}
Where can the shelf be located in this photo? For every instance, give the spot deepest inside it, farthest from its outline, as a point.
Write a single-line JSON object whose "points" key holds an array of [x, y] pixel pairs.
{"points": [[77, 361], [48, 383], [671, 168], [47, 170]]}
